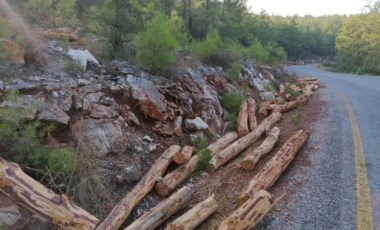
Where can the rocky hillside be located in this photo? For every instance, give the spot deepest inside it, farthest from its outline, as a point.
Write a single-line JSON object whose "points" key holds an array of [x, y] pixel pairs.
{"points": [[120, 115]]}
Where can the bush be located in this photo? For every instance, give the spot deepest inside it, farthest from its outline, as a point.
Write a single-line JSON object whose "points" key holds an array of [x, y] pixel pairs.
{"points": [[231, 101], [204, 156], [209, 46], [66, 11], [276, 54], [62, 170], [156, 45], [234, 72], [38, 9], [257, 52], [73, 67]]}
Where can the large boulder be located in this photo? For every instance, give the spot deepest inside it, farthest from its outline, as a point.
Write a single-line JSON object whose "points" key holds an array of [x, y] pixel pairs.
{"points": [[52, 114], [83, 57], [149, 100], [99, 137]]}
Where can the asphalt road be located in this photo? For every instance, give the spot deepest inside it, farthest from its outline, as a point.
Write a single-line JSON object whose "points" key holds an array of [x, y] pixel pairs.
{"points": [[333, 188]]}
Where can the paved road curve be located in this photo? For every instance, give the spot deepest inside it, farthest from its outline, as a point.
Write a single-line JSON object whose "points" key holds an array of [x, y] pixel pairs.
{"points": [[335, 193]]}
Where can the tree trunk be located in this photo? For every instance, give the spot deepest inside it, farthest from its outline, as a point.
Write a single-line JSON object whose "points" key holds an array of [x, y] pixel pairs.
{"points": [[159, 214], [250, 213], [175, 178], [184, 155], [307, 79], [191, 219], [252, 121], [243, 120], [222, 143], [274, 167], [122, 210], [241, 144], [255, 154], [29, 193], [303, 99], [264, 107]]}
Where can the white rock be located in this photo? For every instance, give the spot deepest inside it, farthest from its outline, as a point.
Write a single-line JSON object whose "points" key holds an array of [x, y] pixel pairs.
{"points": [[83, 57], [195, 124]]}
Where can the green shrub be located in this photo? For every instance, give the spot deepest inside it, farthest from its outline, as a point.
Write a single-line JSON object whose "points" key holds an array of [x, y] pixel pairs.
{"points": [[257, 51], [38, 9], [201, 142], [231, 101], [73, 67], [209, 46], [66, 11], [234, 72], [156, 45], [276, 54], [289, 90], [204, 156], [270, 87]]}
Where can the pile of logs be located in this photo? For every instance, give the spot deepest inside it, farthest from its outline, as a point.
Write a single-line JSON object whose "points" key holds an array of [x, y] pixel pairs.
{"points": [[254, 202]]}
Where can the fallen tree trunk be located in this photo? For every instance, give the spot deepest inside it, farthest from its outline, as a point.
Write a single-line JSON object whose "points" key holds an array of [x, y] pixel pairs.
{"points": [[274, 167], [243, 120], [252, 121], [199, 213], [250, 213], [122, 210], [291, 105], [264, 108], [159, 214], [184, 155], [307, 79], [255, 154], [175, 178], [32, 195], [241, 144]]}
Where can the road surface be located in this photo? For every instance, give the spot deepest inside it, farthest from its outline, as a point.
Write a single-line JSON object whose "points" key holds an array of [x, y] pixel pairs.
{"points": [[341, 188]]}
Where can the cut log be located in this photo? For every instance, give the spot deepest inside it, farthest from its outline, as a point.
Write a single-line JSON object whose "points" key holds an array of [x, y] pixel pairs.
{"points": [[255, 154], [303, 99], [250, 213], [242, 121], [222, 143], [252, 121], [175, 178], [29, 193], [122, 210], [264, 107], [274, 167], [282, 90], [307, 79], [184, 155], [199, 213], [241, 144], [159, 214]]}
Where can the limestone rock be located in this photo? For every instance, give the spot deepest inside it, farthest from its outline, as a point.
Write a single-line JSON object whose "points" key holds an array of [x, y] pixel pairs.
{"points": [[99, 137], [196, 124]]}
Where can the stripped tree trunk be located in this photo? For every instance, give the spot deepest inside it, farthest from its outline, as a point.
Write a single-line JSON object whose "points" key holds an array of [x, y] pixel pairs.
{"points": [[241, 144], [264, 108], [303, 99], [159, 214], [29, 193], [175, 178], [274, 167], [255, 154], [184, 155], [122, 210], [243, 120], [250, 213], [199, 213], [252, 121], [307, 79]]}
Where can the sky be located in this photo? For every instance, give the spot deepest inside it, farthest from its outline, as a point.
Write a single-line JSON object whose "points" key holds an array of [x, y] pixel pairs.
{"points": [[303, 7]]}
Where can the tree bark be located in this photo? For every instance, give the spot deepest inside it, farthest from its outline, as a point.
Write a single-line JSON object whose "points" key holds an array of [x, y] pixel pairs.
{"points": [[274, 167], [175, 178], [199, 213], [255, 154], [303, 99], [264, 107], [243, 120], [307, 79], [29, 193], [252, 121], [184, 155], [241, 144], [159, 214], [122, 210], [250, 213], [177, 126]]}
